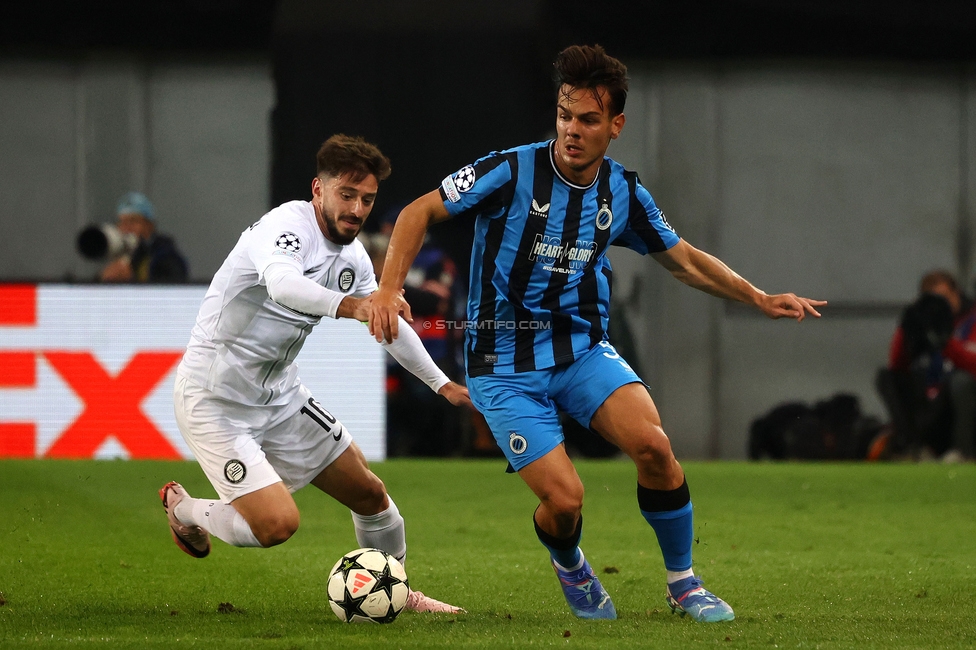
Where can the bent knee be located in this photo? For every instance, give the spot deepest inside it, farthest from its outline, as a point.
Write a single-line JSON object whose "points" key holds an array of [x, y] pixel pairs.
{"points": [[276, 530], [565, 504], [652, 449]]}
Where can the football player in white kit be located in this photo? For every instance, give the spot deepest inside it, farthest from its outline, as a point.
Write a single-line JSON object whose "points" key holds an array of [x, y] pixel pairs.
{"points": [[254, 428]]}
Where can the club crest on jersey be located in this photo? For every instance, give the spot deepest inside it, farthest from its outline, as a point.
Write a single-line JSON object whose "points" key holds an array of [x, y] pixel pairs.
{"points": [[539, 210], [234, 471], [289, 242], [346, 279], [517, 443], [604, 217]]}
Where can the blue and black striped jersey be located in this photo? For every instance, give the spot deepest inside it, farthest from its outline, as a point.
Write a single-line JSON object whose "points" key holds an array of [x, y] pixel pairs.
{"points": [[540, 280]]}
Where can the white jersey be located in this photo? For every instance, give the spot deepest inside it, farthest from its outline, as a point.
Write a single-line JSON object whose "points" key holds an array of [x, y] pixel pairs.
{"points": [[244, 344]]}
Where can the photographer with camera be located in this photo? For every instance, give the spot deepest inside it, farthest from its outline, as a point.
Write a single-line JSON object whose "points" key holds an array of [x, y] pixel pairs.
{"points": [[136, 252], [929, 386]]}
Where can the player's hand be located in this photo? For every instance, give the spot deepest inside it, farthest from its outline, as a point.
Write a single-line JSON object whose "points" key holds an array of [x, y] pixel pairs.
{"points": [[789, 305], [362, 307], [456, 394], [352, 307], [119, 270], [385, 308]]}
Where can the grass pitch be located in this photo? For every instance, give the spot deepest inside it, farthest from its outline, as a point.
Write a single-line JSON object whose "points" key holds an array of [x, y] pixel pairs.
{"points": [[809, 555]]}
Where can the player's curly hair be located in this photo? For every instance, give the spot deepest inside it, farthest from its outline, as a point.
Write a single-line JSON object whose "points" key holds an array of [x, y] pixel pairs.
{"points": [[343, 154], [587, 67]]}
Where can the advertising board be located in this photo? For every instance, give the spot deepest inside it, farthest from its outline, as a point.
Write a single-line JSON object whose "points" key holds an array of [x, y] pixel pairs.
{"points": [[88, 372]]}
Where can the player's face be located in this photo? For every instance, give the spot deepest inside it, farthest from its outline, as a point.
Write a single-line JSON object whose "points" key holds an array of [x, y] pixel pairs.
{"points": [[951, 295], [584, 129], [342, 205], [136, 224]]}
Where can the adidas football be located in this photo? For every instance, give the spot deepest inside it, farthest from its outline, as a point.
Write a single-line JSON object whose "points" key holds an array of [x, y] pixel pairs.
{"points": [[367, 585]]}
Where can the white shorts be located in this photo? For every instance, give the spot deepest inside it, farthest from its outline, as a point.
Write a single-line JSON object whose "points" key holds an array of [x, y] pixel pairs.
{"points": [[245, 448]]}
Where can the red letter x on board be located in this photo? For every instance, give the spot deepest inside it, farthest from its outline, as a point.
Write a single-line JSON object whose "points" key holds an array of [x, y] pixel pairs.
{"points": [[112, 405]]}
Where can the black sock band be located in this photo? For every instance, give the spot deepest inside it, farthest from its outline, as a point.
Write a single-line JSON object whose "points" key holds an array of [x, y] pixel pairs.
{"points": [[565, 544], [663, 500]]}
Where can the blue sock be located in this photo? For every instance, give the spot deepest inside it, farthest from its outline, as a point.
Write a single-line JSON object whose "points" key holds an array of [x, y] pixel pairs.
{"points": [[669, 512], [565, 552]]}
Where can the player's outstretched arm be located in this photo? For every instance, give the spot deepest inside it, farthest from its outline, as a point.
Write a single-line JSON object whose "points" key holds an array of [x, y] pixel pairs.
{"points": [[359, 308], [287, 286], [409, 352], [405, 242], [456, 394], [707, 273]]}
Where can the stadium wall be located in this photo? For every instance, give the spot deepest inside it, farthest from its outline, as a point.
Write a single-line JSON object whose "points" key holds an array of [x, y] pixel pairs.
{"points": [[78, 132], [841, 182], [837, 181]]}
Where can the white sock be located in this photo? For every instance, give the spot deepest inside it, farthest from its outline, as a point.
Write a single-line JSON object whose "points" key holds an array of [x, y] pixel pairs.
{"points": [[219, 519], [674, 576], [383, 531]]}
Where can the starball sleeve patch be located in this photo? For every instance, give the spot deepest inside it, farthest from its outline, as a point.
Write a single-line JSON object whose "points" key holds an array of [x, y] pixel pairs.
{"points": [[289, 242], [464, 179], [458, 182], [290, 245]]}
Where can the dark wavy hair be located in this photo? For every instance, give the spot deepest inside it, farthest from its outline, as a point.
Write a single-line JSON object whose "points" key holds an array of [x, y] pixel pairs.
{"points": [[589, 67], [346, 154]]}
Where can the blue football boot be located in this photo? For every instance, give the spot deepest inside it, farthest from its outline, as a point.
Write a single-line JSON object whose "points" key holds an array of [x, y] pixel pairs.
{"points": [[586, 596], [688, 596]]}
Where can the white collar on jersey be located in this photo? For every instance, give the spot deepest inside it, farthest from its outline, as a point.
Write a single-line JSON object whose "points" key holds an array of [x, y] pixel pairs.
{"points": [[552, 161]]}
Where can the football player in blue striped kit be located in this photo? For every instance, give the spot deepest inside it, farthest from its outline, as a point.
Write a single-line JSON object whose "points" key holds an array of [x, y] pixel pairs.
{"points": [[538, 307]]}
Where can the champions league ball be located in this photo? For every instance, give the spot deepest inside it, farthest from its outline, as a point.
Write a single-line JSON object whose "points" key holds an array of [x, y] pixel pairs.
{"points": [[367, 585]]}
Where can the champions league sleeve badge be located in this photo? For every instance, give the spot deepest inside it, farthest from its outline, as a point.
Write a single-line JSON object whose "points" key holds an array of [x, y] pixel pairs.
{"points": [[464, 179], [289, 244], [459, 182]]}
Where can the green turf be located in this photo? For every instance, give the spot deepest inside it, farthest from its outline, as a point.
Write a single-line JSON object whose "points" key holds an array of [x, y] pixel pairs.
{"points": [[809, 555]]}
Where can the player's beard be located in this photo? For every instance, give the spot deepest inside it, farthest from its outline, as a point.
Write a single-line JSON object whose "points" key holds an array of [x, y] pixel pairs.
{"points": [[332, 226]]}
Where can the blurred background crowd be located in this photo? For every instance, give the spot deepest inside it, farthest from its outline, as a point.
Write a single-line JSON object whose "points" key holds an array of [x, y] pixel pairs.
{"points": [[837, 139]]}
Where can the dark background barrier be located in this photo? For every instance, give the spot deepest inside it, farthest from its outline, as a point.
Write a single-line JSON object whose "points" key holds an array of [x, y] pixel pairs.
{"points": [[818, 147]]}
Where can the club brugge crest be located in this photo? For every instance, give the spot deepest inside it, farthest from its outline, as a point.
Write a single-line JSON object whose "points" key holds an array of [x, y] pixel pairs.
{"points": [[346, 279], [517, 443], [604, 217]]}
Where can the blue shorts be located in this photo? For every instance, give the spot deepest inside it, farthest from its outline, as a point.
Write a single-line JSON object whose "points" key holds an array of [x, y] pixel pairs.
{"points": [[522, 408]]}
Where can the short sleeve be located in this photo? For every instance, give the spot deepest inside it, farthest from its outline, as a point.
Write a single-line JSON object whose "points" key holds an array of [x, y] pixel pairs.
{"points": [[648, 230], [281, 236], [474, 188]]}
